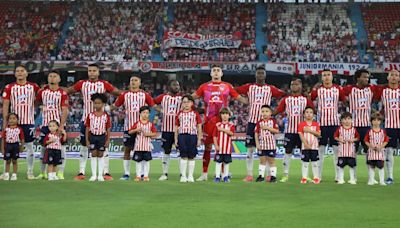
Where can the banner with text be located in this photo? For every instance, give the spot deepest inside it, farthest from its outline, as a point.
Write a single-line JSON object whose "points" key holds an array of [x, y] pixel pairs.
{"points": [[200, 41], [391, 66], [310, 68], [7, 67]]}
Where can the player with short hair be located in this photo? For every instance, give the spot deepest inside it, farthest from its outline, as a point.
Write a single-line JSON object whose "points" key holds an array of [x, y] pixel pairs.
{"points": [[328, 96], [347, 135], [98, 125], [223, 132], [132, 100], [259, 94], [215, 94], [19, 98], [169, 104], [54, 102], [390, 98], [89, 87], [293, 106]]}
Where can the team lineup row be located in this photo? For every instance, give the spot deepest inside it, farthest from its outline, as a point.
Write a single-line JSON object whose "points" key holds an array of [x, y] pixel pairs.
{"points": [[181, 125]]}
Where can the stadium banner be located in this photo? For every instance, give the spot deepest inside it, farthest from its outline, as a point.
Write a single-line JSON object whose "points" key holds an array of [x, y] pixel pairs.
{"points": [[391, 66], [116, 147], [228, 67], [7, 67], [199, 41], [310, 68]]}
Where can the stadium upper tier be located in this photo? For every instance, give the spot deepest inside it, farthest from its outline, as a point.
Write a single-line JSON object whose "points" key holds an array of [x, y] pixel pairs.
{"points": [[283, 32]]}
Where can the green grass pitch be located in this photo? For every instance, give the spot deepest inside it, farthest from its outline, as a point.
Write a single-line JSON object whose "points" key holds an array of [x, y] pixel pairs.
{"points": [[118, 203]]}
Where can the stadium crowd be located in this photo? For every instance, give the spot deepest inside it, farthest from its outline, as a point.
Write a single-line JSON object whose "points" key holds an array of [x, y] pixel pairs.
{"points": [[113, 31], [30, 30], [310, 33]]}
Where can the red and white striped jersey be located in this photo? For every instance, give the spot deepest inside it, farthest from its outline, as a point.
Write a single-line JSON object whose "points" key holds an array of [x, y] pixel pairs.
{"points": [[328, 104], [391, 103], [265, 137], [311, 139], [347, 149], [376, 138], [98, 125], [58, 140], [293, 106], [88, 88], [258, 95], [223, 139], [360, 100], [171, 105], [215, 96], [187, 122], [22, 100], [143, 143], [13, 135], [53, 101], [132, 102]]}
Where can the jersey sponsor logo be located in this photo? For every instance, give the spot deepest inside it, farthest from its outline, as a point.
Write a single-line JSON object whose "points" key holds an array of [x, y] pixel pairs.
{"points": [[259, 97], [4, 94], [91, 92], [362, 102], [215, 99], [296, 110], [172, 108], [394, 103], [22, 98]]}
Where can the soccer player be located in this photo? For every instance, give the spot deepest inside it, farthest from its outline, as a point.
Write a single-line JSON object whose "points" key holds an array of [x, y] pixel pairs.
{"points": [[390, 97], [97, 134], [215, 94], [265, 130], [259, 94], [346, 135], [54, 102], [53, 142], [360, 97], [132, 101], [144, 131], [293, 106], [376, 140], [13, 143], [19, 98], [170, 104], [89, 87], [223, 132], [188, 135], [309, 132], [328, 96]]}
